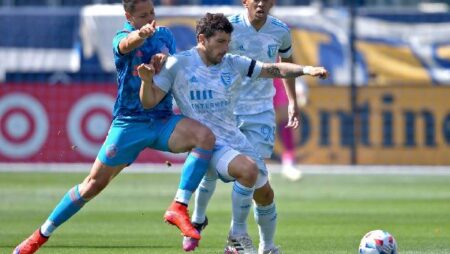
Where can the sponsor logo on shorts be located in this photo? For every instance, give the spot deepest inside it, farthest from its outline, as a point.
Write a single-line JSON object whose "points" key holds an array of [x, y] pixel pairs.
{"points": [[111, 151]]}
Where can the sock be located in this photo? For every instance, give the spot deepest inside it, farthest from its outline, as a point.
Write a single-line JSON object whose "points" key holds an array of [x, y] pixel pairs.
{"points": [[70, 204], [241, 199], [194, 169], [202, 196], [266, 218]]}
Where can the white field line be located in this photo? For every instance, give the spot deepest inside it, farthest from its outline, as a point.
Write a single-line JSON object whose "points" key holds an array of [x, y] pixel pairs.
{"points": [[273, 168]]}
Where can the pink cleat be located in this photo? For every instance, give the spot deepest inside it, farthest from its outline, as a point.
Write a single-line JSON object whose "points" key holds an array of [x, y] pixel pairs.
{"points": [[189, 243]]}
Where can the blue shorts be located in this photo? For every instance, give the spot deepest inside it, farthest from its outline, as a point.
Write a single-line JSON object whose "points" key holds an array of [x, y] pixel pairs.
{"points": [[259, 130], [127, 138]]}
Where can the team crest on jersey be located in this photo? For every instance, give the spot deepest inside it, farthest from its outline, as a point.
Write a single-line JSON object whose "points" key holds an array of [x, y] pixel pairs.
{"points": [[226, 78], [272, 50], [193, 79]]}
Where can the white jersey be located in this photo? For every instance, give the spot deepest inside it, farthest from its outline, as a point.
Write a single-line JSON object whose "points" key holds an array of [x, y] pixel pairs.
{"points": [[209, 94], [273, 39]]}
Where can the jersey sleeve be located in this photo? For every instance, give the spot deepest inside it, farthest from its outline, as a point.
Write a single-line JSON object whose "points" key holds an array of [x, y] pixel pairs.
{"points": [[168, 39], [247, 67], [285, 50], [116, 41], [166, 77]]}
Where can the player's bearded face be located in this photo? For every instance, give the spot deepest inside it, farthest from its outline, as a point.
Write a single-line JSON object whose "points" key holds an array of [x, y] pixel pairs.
{"points": [[217, 46], [144, 14], [258, 9]]}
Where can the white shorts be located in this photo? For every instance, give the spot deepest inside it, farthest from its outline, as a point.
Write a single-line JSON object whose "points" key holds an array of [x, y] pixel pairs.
{"points": [[260, 131], [222, 157]]}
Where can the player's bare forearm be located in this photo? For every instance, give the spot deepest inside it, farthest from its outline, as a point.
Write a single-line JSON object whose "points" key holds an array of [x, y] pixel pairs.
{"points": [[293, 110], [290, 70], [149, 94]]}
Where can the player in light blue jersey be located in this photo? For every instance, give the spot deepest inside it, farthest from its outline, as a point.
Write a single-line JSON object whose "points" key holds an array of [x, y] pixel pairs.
{"points": [[206, 83], [265, 38], [134, 128]]}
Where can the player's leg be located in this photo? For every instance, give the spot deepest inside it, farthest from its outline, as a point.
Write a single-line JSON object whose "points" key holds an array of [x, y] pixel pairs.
{"points": [[286, 135], [264, 203], [70, 204], [180, 134], [99, 177], [266, 217], [202, 197], [245, 172]]}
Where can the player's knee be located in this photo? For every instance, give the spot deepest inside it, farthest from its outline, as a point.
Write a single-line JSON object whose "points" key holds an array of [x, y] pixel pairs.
{"points": [[249, 172], [205, 138]]}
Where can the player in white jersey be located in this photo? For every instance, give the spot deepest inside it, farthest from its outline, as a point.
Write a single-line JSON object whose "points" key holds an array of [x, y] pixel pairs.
{"points": [[263, 37], [206, 82]]}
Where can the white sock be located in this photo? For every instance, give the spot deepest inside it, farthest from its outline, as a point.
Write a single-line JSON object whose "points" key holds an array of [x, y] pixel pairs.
{"points": [[241, 199], [183, 196], [266, 218], [47, 228], [202, 196]]}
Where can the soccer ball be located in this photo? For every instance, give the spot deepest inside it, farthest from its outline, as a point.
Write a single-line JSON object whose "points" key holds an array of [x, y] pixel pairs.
{"points": [[378, 242]]}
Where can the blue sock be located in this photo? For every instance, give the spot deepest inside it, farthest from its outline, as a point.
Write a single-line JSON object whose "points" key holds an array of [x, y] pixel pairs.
{"points": [[194, 169], [70, 204], [266, 218], [202, 196], [241, 201]]}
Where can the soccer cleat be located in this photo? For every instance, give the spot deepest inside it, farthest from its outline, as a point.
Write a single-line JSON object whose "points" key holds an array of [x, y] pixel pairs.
{"points": [[274, 250], [290, 172], [239, 245], [31, 244], [189, 243], [177, 214]]}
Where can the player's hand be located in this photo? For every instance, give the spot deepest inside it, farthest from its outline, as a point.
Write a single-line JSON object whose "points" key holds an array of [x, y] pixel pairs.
{"points": [[319, 72], [293, 117], [147, 30], [158, 61], [146, 72]]}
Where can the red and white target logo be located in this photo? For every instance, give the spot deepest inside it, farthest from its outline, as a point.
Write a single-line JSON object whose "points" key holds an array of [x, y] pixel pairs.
{"points": [[89, 122], [23, 125]]}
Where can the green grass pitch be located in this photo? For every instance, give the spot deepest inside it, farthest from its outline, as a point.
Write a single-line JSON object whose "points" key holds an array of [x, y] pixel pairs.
{"points": [[320, 214]]}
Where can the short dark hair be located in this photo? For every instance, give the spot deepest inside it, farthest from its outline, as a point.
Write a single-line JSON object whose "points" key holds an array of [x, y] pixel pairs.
{"points": [[213, 22], [130, 5]]}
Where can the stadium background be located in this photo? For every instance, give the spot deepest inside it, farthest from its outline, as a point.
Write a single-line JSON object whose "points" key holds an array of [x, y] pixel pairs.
{"points": [[386, 101]]}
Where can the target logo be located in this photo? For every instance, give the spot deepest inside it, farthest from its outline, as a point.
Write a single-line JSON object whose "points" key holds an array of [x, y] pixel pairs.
{"points": [[23, 125], [89, 122]]}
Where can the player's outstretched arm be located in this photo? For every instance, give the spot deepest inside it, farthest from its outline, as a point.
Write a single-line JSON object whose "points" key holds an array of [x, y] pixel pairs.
{"points": [[149, 94], [136, 38], [290, 70]]}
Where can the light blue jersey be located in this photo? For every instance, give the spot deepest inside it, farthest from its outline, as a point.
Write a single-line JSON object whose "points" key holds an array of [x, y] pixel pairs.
{"points": [[209, 94], [128, 104], [265, 45]]}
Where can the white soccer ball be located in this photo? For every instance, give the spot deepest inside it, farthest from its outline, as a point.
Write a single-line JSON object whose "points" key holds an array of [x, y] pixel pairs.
{"points": [[378, 242]]}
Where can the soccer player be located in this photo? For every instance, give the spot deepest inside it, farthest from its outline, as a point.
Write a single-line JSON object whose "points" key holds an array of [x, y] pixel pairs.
{"points": [[134, 128], [260, 36], [206, 82]]}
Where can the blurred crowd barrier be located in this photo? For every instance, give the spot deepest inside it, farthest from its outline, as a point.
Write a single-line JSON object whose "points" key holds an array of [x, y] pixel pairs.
{"points": [[57, 82]]}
